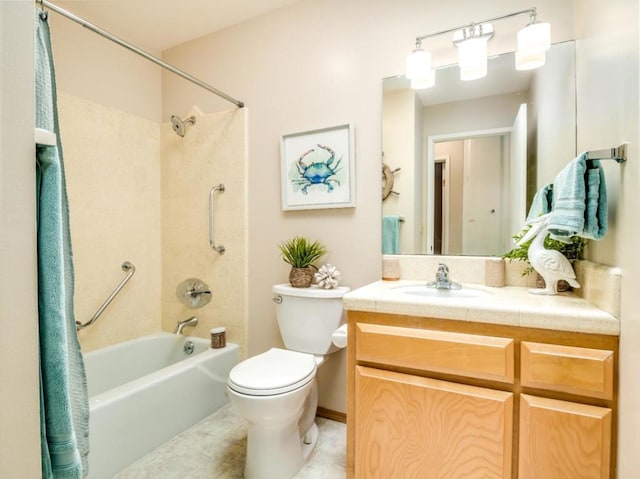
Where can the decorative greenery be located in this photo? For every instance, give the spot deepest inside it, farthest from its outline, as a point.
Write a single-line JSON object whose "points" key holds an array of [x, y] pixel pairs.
{"points": [[572, 251], [300, 252]]}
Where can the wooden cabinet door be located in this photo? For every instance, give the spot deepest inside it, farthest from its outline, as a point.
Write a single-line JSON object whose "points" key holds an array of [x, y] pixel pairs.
{"points": [[563, 440], [413, 427]]}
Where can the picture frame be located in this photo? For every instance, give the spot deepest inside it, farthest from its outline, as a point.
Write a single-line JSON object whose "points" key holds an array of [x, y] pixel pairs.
{"points": [[318, 169]]}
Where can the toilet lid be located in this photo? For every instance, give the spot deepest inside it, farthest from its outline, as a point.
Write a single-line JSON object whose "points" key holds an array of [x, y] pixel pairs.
{"points": [[276, 371]]}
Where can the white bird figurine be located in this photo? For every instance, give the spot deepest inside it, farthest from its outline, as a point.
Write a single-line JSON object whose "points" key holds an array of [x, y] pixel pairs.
{"points": [[550, 264]]}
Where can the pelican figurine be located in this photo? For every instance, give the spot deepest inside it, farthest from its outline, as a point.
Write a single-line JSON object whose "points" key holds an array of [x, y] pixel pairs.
{"points": [[550, 264]]}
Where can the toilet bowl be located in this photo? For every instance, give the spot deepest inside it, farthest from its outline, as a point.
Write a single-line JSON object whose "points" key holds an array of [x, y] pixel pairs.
{"points": [[276, 391]]}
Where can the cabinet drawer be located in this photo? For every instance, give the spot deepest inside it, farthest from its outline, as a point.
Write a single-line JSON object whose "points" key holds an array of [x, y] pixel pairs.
{"points": [[570, 369], [470, 355]]}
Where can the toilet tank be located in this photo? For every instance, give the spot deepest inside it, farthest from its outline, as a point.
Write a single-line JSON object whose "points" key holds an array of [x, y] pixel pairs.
{"points": [[307, 317]]}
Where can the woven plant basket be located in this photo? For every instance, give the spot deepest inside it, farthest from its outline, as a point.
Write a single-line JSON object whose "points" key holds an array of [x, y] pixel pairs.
{"points": [[301, 277]]}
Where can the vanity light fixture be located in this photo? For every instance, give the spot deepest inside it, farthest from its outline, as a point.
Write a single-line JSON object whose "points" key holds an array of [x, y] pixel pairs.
{"points": [[471, 40], [472, 50], [418, 68], [533, 42]]}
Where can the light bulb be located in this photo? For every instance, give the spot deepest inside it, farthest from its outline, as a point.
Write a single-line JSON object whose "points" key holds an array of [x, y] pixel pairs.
{"points": [[418, 64], [425, 82], [534, 38], [530, 61], [472, 58]]}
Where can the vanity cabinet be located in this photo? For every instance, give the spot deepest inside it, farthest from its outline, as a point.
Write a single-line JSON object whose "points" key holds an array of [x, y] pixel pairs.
{"points": [[434, 398]]}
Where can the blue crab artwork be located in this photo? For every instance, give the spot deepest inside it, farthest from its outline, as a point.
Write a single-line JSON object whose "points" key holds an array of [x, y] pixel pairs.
{"points": [[317, 172]]}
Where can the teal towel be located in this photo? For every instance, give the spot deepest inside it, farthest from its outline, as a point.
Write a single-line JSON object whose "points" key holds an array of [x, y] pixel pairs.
{"points": [[579, 201], [542, 202], [390, 234], [64, 406]]}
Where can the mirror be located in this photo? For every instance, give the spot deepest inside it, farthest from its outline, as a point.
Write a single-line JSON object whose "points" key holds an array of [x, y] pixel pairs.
{"points": [[487, 144]]}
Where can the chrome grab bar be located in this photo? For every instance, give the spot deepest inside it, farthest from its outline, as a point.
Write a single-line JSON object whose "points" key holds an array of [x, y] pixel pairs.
{"points": [[127, 267], [220, 249]]}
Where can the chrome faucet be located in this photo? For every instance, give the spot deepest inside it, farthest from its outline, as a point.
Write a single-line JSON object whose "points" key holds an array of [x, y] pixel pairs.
{"points": [[192, 321], [442, 279]]}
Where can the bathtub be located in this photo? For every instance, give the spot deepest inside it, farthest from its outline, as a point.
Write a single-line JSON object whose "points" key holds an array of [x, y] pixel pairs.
{"points": [[145, 391]]}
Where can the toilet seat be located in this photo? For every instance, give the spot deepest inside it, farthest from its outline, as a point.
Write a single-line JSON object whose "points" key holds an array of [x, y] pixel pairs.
{"points": [[276, 371]]}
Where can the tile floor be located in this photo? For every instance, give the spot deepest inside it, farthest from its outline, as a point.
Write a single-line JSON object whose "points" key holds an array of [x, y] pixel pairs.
{"points": [[215, 449]]}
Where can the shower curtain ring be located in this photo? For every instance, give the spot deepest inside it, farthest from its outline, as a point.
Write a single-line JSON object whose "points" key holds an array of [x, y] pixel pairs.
{"points": [[43, 13]]}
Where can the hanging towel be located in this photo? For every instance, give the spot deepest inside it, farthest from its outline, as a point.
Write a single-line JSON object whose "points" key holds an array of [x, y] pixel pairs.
{"points": [[390, 234], [579, 201], [64, 406], [542, 202]]}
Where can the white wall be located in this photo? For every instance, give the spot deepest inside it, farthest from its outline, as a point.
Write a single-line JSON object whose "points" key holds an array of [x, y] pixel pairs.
{"points": [[498, 111], [312, 65], [554, 112], [19, 406], [607, 70]]}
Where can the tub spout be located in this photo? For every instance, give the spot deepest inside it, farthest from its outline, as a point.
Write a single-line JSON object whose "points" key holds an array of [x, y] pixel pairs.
{"points": [[192, 321]]}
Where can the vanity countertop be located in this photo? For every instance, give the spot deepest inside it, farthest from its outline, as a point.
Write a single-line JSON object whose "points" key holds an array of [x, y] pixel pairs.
{"points": [[511, 305]]}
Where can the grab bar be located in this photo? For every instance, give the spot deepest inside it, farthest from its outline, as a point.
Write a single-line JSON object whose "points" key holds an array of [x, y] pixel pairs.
{"points": [[130, 269], [220, 249]]}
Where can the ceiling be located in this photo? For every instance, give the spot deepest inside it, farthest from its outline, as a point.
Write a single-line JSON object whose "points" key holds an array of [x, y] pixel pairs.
{"points": [[157, 25]]}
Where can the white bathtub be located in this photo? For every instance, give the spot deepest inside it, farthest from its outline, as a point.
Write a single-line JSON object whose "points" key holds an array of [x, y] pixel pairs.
{"points": [[145, 391]]}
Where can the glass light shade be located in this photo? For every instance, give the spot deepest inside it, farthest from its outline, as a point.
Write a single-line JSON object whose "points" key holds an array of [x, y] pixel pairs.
{"points": [[418, 64], [530, 61], [534, 38], [425, 82], [472, 58]]}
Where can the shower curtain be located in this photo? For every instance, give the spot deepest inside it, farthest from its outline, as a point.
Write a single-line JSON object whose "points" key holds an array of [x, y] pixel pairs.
{"points": [[64, 407]]}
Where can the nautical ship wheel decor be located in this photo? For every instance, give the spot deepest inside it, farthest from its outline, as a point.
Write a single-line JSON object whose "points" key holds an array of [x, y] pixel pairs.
{"points": [[387, 181]]}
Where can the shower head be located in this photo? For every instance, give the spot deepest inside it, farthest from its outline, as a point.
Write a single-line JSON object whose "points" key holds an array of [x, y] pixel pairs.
{"points": [[180, 126]]}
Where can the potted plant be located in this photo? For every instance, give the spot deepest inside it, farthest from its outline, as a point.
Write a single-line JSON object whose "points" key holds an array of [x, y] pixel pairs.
{"points": [[301, 253], [572, 251]]}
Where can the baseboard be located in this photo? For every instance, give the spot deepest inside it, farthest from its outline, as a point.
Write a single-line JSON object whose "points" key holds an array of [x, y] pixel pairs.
{"points": [[333, 415]]}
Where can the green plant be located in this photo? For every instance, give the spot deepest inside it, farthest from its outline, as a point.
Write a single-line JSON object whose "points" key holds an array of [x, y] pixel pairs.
{"points": [[300, 252], [572, 250]]}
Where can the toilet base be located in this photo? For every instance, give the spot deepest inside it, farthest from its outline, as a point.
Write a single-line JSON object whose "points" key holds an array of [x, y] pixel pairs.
{"points": [[309, 441], [277, 453]]}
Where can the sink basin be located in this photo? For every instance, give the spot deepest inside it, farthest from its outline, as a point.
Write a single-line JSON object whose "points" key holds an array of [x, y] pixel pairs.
{"points": [[424, 291]]}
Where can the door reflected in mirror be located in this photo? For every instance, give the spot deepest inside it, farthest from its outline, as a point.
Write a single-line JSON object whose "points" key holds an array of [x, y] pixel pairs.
{"points": [[471, 155]]}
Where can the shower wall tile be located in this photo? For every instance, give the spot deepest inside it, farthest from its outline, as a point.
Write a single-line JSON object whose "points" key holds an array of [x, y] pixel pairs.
{"points": [[112, 161], [211, 152], [139, 192]]}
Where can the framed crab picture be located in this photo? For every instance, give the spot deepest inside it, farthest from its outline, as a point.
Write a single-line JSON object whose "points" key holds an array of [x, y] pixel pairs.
{"points": [[318, 169]]}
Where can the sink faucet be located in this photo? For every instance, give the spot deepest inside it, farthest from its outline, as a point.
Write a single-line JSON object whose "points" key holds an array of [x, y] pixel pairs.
{"points": [[442, 279], [192, 321]]}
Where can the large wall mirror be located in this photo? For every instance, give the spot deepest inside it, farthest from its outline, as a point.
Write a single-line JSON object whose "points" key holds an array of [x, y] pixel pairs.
{"points": [[468, 156]]}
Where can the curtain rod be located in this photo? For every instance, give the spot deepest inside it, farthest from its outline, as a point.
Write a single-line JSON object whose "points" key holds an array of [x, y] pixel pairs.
{"points": [[142, 53]]}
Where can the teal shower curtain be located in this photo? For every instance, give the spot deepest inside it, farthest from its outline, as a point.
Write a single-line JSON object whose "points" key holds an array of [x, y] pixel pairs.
{"points": [[64, 408]]}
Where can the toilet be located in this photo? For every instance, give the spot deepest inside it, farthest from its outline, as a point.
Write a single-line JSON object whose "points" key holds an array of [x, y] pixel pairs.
{"points": [[276, 391]]}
